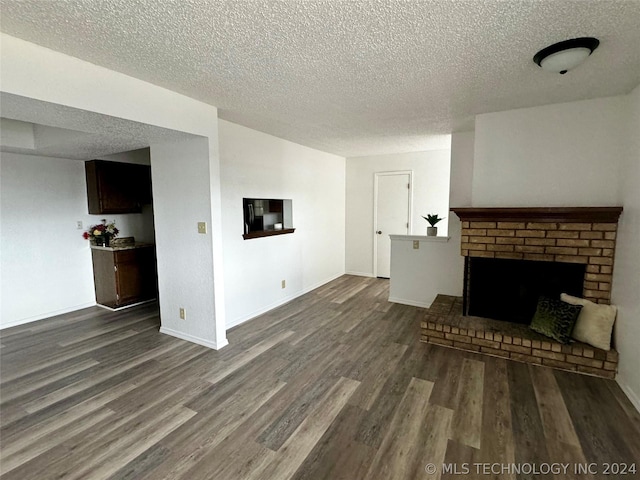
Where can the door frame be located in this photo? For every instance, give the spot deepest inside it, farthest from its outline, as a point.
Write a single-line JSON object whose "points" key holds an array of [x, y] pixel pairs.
{"points": [[376, 177]]}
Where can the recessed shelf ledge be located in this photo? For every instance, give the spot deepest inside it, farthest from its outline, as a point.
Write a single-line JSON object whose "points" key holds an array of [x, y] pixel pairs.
{"points": [[267, 233], [420, 238]]}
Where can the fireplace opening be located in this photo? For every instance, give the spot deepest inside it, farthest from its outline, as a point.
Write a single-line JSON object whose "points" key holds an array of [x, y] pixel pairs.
{"points": [[508, 290]]}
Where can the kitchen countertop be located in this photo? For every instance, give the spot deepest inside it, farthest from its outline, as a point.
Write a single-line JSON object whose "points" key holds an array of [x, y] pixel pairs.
{"points": [[122, 247]]}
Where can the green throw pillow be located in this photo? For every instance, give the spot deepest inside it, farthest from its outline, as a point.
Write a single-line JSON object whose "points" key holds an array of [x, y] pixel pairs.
{"points": [[555, 319]]}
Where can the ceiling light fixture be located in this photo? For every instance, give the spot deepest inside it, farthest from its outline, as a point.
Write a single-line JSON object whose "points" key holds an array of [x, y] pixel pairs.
{"points": [[563, 56]]}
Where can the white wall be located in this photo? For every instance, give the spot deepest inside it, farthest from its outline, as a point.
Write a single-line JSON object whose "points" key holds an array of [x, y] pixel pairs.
{"points": [[583, 153], [430, 195], [142, 156], [462, 144], [43, 74], [436, 267], [556, 155], [180, 170], [257, 165], [137, 225], [419, 275], [45, 263], [44, 275], [34, 72], [460, 192], [16, 134], [626, 275]]}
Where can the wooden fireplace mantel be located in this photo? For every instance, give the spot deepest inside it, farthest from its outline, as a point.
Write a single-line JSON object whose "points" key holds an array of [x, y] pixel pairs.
{"points": [[539, 214]]}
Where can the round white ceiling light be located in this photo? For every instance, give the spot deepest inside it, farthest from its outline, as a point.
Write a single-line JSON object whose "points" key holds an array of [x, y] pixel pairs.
{"points": [[563, 56]]}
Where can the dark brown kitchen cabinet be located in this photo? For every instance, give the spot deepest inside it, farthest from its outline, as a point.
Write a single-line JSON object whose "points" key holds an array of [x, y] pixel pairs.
{"points": [[124, 277], [115, 187]]}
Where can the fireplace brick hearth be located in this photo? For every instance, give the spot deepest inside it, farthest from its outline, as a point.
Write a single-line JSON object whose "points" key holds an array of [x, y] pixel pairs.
{"points": [[445, 325]]}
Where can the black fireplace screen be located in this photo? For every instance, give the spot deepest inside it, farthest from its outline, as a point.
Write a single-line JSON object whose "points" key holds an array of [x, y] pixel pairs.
{"points": [[509, 289]]}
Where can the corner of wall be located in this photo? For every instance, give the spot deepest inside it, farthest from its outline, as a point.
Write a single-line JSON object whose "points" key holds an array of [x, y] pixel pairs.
{"points": [[626, 282], [462, 156]]}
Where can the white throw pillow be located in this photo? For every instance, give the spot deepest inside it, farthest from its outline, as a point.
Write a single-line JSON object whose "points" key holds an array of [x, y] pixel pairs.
{"points": [[595, 322]]}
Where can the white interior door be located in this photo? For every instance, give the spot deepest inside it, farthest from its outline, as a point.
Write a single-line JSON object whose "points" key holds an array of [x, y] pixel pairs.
{"points": [[393, 194]]}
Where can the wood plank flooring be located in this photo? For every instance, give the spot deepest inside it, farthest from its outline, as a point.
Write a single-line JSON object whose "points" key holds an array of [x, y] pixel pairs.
{"points": [[334, 385]]}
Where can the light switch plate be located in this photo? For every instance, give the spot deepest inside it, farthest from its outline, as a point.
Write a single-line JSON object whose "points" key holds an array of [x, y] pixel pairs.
{"points": [[202, 227], [416, 244]]}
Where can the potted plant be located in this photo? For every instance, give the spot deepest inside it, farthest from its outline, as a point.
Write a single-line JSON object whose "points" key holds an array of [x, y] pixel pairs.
{"points": [[102, 233], [432, 231]]}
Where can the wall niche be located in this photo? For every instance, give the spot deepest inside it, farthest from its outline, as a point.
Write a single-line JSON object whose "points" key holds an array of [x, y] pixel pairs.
{"points": [[266, 217]]}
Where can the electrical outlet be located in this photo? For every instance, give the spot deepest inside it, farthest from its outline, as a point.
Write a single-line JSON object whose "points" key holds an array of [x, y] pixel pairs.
{"points": [[202, 227], [284, 283], [416, 244], [183, 314], [79, 225]]}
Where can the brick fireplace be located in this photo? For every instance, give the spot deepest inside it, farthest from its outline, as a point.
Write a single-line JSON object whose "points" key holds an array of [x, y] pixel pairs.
{"points": [[583, 235]]}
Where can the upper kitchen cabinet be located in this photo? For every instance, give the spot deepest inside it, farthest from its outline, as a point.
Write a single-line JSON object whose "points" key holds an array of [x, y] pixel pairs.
{"points": [[115, 187]]}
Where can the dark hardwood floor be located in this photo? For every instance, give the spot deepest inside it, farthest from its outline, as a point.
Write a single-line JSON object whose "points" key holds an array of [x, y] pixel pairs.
{"points": [[333, 385]]}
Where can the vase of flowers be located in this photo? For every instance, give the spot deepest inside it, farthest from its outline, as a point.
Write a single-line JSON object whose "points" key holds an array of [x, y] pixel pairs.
{"points": [[432, 231], [102, 233]]}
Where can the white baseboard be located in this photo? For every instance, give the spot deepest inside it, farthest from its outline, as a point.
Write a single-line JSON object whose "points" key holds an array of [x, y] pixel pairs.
{"points": [[411, 303], [282, 301], [194, 339], [631, 395], [118, 309], [360, 274], [42, 316]]}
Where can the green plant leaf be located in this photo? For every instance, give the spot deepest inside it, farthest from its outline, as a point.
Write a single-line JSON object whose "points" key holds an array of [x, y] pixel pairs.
{"points": [[432, 219]]}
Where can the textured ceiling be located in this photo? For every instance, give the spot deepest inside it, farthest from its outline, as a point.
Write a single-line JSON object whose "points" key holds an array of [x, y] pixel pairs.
{"points": [[346, 76], [67, 132]]}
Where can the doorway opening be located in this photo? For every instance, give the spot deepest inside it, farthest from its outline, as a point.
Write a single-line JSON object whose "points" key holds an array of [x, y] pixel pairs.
{"points": [[391, 215]]}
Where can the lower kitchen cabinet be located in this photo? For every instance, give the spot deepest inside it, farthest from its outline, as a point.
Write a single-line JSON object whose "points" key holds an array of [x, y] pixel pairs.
{"points": [[124, 276]]}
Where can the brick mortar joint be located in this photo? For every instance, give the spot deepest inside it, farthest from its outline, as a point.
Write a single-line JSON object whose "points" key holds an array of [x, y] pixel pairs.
{"points": [[519, 357], [426, 332]]}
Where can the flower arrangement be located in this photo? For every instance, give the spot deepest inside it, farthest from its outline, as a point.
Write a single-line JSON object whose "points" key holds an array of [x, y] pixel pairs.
{"points": [[102, 233]]}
